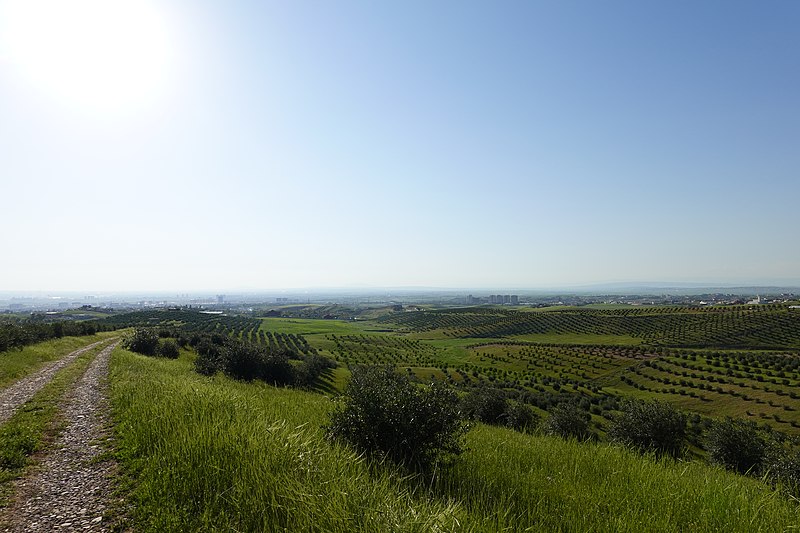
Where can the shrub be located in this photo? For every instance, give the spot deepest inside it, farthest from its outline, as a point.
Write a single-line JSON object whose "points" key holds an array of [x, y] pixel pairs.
{"points": [[485, 404], [312, 367], [782, 468], [383, 413], [169, 349], [247, 361], [209, 358], [650, 426], [519, 416], [182, 340], [568, 420], [143, 341], [736, 445]]}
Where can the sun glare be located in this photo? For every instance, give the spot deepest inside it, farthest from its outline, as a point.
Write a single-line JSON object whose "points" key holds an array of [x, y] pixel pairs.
{"points": [[101, 55]]}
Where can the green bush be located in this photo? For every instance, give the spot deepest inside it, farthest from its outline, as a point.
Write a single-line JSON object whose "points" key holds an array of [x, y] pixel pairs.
{"points": [[312, 367], [247, 361], [485, 404], [209, 357], [169, 349], [143, 341], [649, 426], [737, 445], [519, 416], [383, 413], [782, 468], [569, 421]]}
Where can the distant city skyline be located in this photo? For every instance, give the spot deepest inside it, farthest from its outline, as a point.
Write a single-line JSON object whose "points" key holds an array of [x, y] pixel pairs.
{"points": [[184, 146]]}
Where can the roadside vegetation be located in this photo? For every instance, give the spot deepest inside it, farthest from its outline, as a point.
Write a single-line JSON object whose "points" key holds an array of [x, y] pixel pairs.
{"points": [[20, 333]]}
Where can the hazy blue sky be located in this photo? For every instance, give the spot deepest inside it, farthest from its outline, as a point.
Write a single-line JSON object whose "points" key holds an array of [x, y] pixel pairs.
{"points": [[220, 145]]}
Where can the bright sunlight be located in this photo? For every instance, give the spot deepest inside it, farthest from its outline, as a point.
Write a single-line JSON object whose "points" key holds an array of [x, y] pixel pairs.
{"points": [[102, 56]]}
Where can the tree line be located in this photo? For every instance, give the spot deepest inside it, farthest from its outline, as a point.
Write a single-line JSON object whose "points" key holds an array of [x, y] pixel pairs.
{"points": [[16, 335]]}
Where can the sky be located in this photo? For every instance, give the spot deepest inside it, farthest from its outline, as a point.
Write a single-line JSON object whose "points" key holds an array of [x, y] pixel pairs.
{"points": [[206, 145]]}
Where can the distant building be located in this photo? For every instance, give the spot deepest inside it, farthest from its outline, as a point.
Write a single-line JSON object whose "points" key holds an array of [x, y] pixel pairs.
{"points": [[500, 299], [220, 298]]}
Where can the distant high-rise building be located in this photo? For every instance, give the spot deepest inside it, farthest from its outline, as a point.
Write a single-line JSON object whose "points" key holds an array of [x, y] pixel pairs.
{"points": [[506, 298], [220, 298], [514, 299]]}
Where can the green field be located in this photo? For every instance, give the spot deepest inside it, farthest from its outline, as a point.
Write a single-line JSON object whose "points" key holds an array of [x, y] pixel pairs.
{"points": [[310, 326]]}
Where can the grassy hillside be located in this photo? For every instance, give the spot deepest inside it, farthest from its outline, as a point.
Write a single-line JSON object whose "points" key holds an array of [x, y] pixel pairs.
{"points": [[211, 454]]}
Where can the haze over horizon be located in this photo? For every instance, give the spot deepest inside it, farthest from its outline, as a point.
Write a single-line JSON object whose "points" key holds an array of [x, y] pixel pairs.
{"points": [[175, 145]]}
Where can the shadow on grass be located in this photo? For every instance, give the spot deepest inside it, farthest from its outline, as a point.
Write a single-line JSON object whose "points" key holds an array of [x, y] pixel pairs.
{"points": [[326, 383]]}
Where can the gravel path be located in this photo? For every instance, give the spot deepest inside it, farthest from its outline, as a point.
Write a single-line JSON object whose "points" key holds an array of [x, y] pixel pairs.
{"points": [[69, 490], [23, 390]]}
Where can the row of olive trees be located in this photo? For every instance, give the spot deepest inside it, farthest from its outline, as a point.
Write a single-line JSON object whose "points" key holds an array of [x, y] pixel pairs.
{"points": [[14, 335]]}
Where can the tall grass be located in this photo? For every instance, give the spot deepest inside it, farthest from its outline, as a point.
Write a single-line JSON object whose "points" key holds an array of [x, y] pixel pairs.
{"points": [[508, 481], [211, 454], [216, 455]]}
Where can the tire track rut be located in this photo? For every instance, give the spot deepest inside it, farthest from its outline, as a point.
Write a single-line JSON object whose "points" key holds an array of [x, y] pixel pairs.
{"points": [[70, 490]]}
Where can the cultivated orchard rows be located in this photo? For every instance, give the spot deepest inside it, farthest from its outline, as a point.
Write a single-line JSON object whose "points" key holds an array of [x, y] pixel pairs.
{"points": [[710, 381], [191, 322], [758, 327]]}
